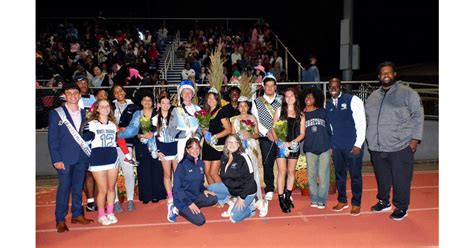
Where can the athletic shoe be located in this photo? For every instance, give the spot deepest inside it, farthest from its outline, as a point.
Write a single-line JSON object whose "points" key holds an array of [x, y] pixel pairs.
{"points": [[381, 207], [91, 207], [171, 214], [399, 214], [314, 204], [112, 219], [130, 206], [104, 221], [269, 196], [263, 208], [118, 207], [231, 203]]}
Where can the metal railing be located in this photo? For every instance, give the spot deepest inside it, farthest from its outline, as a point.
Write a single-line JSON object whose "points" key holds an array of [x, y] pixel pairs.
{"points": [[288, 53], [47, 98], [170, 56]]}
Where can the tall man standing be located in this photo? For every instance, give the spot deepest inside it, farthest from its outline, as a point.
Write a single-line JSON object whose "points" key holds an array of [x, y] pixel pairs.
{"points": [[264, 109], [69, 157], [395, 127], [85, 102], [347, 118]]}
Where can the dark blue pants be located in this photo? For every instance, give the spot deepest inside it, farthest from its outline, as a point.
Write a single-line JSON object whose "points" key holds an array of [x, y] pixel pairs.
{"points": [[394, 168], [201, 201], [269, 154], [344, 160], [71, 180]]}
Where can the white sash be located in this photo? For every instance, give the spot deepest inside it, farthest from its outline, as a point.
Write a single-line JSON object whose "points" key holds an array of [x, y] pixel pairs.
{"points": [[77, 137]]}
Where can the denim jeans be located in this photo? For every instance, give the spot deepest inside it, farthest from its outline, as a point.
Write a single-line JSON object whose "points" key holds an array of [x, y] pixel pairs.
{"points": [[247, 211], [201, 201], [221, 191], [318, 166], [223, 197]]}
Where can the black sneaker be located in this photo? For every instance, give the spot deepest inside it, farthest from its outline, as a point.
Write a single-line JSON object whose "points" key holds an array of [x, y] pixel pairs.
{"points": [[91, 207], [399, 214], [381, 207]]}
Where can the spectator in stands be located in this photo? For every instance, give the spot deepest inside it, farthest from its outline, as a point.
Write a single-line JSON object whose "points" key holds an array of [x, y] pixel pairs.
{"points": [[189, 192], [394, 129], [100, 78], [150, 173], [263, 108], [219, 128], [188, 73], [80, 70], [346, 116], [311, 73], [276, 59], [68, 156], [123, 110]]}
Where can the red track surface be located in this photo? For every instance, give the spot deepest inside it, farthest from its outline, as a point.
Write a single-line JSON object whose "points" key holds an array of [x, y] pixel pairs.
{"points": [[303, 227]]}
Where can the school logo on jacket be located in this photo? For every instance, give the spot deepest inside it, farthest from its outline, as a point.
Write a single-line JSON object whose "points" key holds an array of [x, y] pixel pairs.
{"points": [[201, 170], [343, 106], [60, 123], [314, 129], [233, 165]]}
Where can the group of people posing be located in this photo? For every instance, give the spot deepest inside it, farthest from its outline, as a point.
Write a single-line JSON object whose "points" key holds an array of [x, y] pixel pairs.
{"points": [[176, 151]]}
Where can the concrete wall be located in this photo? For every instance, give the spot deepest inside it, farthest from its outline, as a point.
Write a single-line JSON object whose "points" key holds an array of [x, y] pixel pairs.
{"points": [[427, 150]]}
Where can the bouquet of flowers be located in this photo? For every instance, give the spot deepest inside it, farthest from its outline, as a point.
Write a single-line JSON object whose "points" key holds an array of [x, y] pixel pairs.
{"points": [[281, 129], [145, 124], [203, 118], [247, 125]]}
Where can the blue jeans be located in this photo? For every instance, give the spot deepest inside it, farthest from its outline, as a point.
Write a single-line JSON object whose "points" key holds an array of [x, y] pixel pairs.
{"points": [[344, 160], [221, 191], [223, 195], [318, 166]]}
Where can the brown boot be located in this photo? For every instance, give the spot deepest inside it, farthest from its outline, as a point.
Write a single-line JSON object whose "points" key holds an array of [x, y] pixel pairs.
{"points": [[61, 227], [81, 219], [355, 211]]}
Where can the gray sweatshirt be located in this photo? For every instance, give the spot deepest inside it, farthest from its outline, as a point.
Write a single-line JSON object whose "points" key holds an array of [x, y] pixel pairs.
{"points": [[394, 118]]}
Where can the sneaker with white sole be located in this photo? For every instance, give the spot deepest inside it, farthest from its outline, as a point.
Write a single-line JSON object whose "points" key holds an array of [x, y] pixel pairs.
{"points": [[399, 214], [171, 213], [231, 203], [314, 204], [381, 207], [112, 218], [104, 221], [269, 196], [321, 205], [263, 208], [130, 206], [118, 207]]}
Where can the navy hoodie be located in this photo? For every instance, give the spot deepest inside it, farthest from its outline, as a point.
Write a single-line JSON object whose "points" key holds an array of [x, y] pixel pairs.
{"points": [[318, 133]]}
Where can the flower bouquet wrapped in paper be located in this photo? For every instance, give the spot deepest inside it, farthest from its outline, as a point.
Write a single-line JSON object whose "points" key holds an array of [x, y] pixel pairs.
{"points": [[203, 118], [247, 125], [145, 124], [281, 131]]}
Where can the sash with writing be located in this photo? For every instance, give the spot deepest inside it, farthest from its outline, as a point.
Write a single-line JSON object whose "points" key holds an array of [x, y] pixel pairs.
{"points": [[77, 137]]}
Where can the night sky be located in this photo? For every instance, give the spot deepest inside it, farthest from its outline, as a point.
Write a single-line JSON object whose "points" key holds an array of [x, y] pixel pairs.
{"points": [[405, 32]]}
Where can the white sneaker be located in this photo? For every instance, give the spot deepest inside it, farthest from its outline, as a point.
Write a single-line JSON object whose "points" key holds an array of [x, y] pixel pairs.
{"points": [[263, 208], [314, 204], [231, 203], [269, 196], [104, 221], [112, 219]]}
